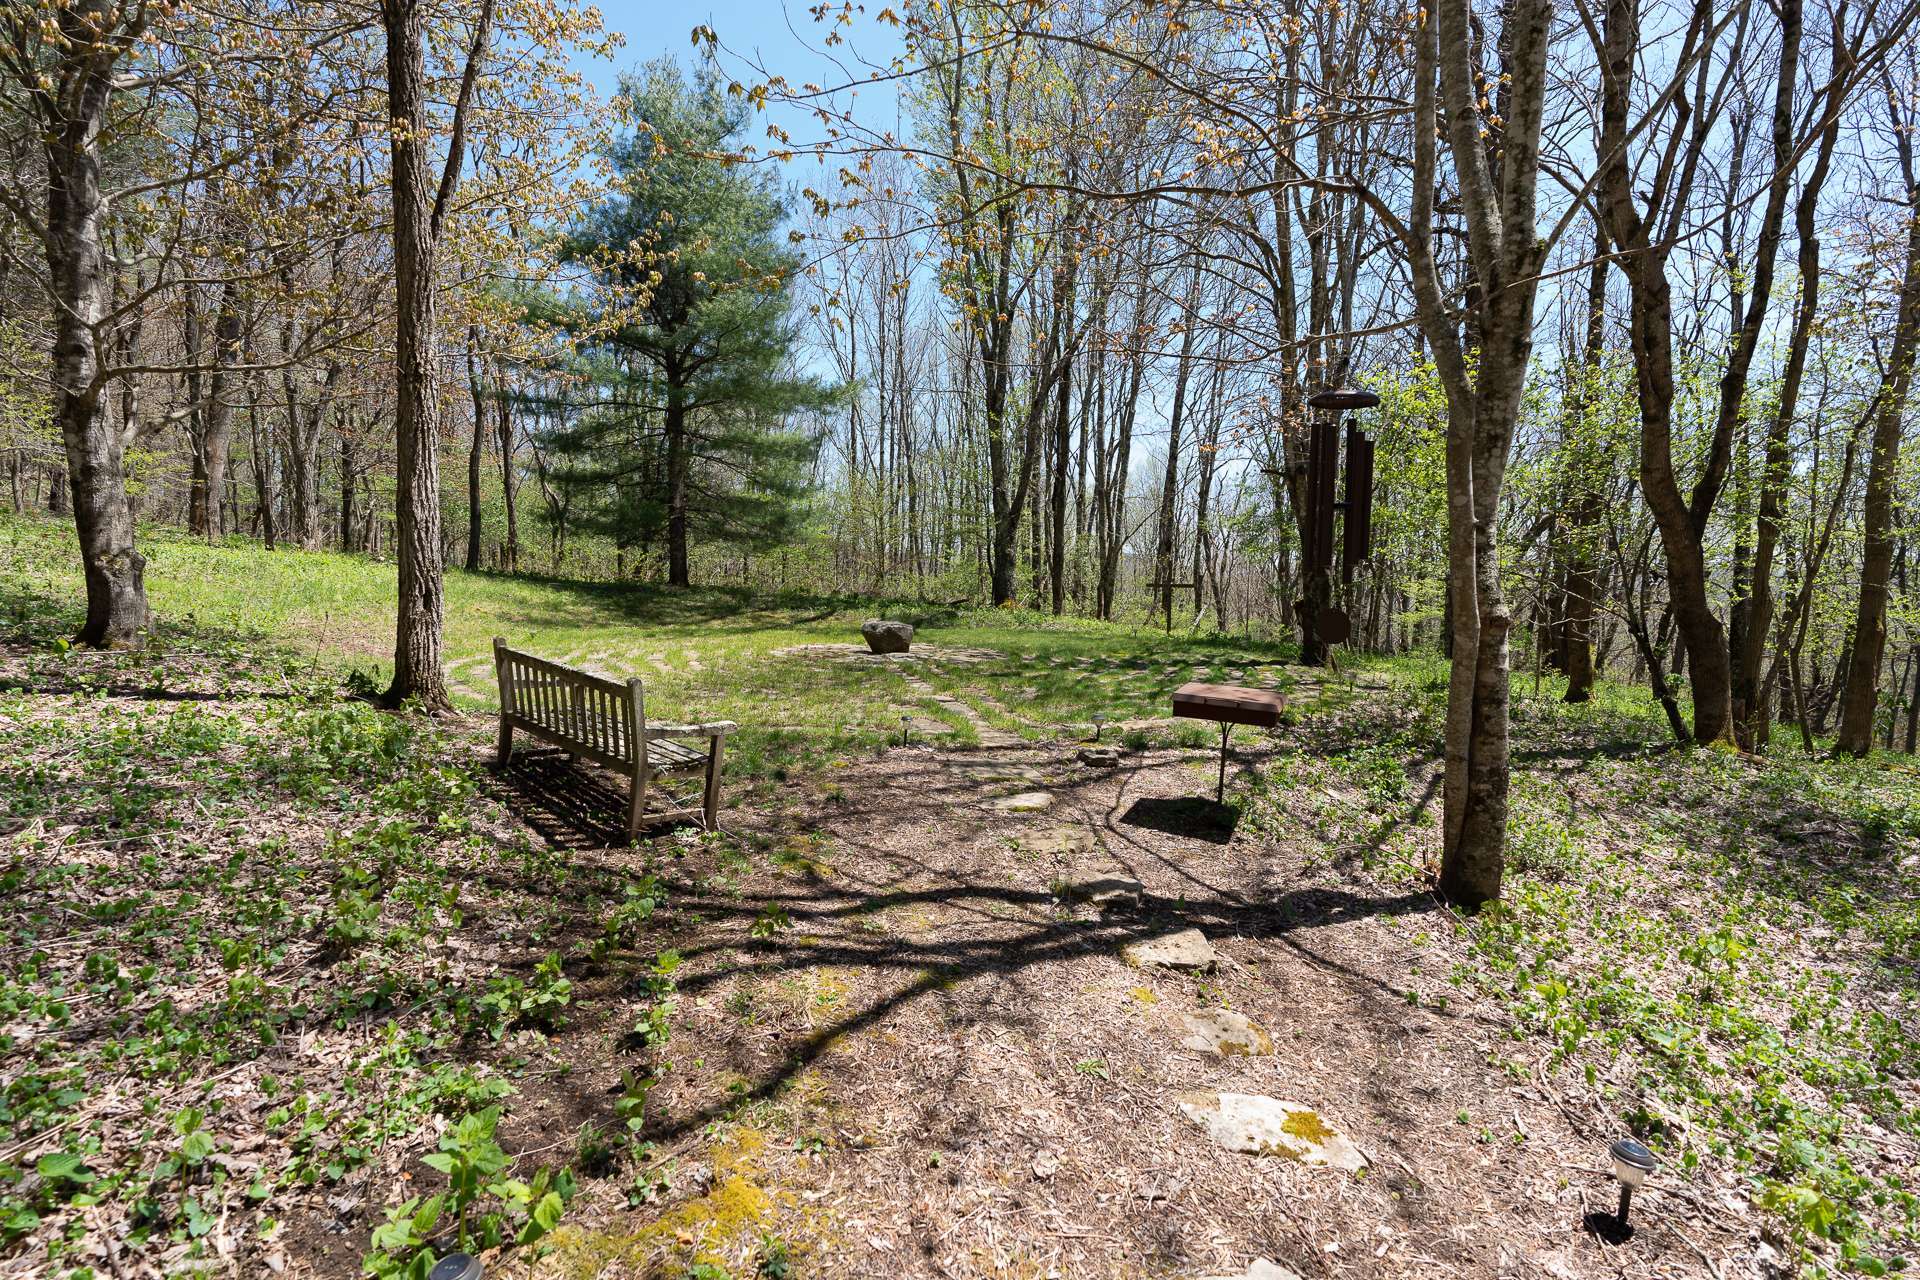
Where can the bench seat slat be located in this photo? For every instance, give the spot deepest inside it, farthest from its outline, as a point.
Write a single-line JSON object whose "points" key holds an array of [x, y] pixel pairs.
{"points": [[663, 753]]}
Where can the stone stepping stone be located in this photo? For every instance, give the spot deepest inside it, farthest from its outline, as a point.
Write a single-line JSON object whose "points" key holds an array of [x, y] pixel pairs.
{"points": [[1106, 891], [988, 775], [1260, 1269], [1187, 949], [1023, 802], [1260, 1126], [1100, 757], [1224, 1032], [1060, 842]]}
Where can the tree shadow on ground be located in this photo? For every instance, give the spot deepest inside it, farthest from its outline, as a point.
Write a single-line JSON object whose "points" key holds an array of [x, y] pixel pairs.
{"points": [[1030, 930], [994, 931]]}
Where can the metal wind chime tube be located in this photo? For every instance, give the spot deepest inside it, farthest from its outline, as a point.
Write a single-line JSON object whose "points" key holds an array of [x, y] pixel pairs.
{"points": [[1359, 504], [1323, 484]]}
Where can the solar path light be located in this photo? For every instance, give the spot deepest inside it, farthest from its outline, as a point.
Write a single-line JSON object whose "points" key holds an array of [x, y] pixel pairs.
{"points": [[457, 1266], [1099, 718], [1631, 1165]]}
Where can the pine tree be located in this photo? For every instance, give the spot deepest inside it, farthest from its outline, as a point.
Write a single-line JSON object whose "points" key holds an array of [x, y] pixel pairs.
{"points": [[684, 394]]}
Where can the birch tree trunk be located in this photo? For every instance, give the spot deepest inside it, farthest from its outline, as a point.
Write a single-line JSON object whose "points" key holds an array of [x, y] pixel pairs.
{"points": [[1483, 395]]}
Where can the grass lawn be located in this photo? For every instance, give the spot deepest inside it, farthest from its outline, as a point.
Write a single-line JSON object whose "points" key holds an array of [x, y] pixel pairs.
{"points": [[291, 986], [705, 653]]}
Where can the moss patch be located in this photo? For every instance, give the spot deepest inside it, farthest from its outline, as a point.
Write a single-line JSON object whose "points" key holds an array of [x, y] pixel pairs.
{"points": [[1308, 1125]]}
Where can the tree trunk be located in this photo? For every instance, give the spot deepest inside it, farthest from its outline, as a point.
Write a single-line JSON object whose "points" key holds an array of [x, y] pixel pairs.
{"points": [[263, 482], [1164, 548], [347, 478], [1583, 581], [678, 465], [1202, 504], [1062, 449], [1483, 396], [303, 449], [1869, 636], [418, 212], [216, 422], [476, 386], [509, 486], [72, 116]]}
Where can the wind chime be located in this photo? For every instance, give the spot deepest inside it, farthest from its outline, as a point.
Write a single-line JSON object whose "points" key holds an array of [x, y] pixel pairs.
{"points": [[1331, 623]]}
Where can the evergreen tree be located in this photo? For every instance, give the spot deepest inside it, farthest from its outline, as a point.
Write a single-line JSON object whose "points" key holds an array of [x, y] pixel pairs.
{"points": [[684, 393]]}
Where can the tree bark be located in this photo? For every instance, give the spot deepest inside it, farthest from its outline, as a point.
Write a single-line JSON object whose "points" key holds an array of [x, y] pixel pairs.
{"points": [[1483, 396], [1869, 636], [509, 486], [1062, 449], [1163, 555], [1583, 581], [72, 114], [348, 476], [477, 387], [216, 422], [679, 574], [419, 211]]}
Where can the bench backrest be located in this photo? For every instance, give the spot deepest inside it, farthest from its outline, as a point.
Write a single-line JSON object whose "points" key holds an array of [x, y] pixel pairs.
{"points": [[592, 716]]}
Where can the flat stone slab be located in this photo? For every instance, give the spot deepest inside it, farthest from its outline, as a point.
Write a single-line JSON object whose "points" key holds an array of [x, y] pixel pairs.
{"points": [[1187, 949], [1023, 802], [1100, 757], [1262, 1126], [988, 775], [858, 654], [1113, 890], [1060, 842], [1224, 1032], [1260, 1269]]}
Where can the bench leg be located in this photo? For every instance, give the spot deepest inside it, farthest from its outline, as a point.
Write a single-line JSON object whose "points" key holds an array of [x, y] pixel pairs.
{"points": [[713, 781], [504, 755], [637, 802]]}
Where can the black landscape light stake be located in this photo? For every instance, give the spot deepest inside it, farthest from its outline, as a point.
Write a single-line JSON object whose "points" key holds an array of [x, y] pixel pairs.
{"points": [[457, 1266], [1631, 1165], [906, 722], [1099, 718]]}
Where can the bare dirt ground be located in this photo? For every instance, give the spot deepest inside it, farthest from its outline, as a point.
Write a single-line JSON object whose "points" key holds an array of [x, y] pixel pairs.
{"points": [[945, 1067]]}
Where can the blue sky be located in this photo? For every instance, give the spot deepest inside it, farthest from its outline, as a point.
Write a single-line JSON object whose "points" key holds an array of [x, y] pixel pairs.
{"points": [[782, 38]]}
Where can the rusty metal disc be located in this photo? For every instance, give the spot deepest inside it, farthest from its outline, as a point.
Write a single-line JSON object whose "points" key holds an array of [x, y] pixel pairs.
{"points": [[1333, 626]]}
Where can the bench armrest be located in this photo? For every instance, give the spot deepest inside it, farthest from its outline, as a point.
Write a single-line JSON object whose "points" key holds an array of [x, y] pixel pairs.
{"points": [[714, 729]]}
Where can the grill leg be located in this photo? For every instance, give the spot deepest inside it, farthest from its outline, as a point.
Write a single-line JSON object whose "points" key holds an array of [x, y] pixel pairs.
{"points": [[710, 805], [1220, 792]]}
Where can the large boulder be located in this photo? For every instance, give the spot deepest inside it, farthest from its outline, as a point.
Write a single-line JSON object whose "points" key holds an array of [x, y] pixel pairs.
{"points": [[887, 637]]}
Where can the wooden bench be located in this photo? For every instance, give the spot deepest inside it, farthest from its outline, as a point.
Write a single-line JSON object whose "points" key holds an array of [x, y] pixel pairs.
{"points": [[605, 721], [1228, 704]]}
